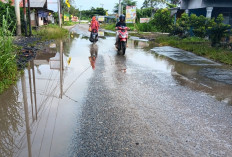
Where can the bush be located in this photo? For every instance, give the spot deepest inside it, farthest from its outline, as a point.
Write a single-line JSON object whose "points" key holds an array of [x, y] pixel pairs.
{"points": [[7, 9], [143, 13], [162, 20], [202, 27], [146, 27], [218, 30], [177, 30], [8, 70]]}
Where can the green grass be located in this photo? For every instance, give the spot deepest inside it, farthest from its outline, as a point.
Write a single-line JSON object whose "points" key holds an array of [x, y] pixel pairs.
{"points": [[8, 66], [140, 27], [112, 26], [49, 32], [145, 27], [199, 46], [69, 23], [108, 26]]}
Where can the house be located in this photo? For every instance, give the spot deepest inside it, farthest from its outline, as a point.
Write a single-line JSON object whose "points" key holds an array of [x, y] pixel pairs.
{"points": [[209, 8], [40, 15]]}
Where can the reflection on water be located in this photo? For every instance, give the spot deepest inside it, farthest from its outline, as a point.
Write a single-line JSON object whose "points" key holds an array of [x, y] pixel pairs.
{"points": [[93, 55], [120, 62], [17, 120], [189, 75], [137, 44], [11, 121], [28, 132]]}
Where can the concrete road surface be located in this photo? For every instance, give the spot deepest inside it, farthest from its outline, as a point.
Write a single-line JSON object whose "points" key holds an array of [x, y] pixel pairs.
{"points": [[80, 99]]}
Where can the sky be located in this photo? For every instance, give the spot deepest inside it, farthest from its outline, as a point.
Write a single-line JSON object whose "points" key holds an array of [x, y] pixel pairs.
{"points": [[107, 4], [87, 4]]}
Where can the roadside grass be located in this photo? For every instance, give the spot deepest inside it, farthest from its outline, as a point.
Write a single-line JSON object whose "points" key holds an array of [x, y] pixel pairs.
{"points": [[198, 46], [69, 23], [139, 27], [112, 26], [8, 66], [49, 32], [108, 26]]}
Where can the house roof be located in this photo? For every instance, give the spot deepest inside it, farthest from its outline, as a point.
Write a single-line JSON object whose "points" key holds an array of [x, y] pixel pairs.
{"points": [[37, 3]]}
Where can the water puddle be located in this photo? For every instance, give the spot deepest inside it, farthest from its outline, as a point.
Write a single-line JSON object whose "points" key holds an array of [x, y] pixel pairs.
{"points": [[198, 72], [40, 107], [183, 56], [40, 114]]}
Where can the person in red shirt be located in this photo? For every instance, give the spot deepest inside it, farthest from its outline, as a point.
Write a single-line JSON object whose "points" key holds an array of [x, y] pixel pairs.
{"points": [[94, 23], [94, 29]]}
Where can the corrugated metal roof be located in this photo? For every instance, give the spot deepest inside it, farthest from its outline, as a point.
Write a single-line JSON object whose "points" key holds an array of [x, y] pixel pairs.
{"points": [[37, 3]]}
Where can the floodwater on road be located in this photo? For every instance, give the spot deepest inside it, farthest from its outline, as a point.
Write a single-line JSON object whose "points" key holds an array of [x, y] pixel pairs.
{"points": [[81, 99]]}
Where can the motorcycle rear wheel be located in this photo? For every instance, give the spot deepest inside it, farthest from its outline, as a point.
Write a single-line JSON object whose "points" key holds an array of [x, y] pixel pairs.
{"points": [[123, 48]]}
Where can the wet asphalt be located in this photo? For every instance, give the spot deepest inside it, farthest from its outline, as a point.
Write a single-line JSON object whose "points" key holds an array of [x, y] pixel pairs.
{"points": [[159, 102]]}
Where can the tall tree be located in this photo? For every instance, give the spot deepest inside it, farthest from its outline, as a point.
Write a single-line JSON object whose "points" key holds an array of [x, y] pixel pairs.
{"points": [[153, 3], [124, 4], [145, 4]]}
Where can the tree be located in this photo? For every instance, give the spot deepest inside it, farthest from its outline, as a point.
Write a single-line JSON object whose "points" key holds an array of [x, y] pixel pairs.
{"points": [[162, 20], [73, 11], [153, 3], [86, 14], [145, 4], [218, 31], [124, 4]]}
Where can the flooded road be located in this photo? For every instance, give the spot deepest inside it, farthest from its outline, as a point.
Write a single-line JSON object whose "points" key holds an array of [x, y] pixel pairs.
{"points": [[79, 99]]}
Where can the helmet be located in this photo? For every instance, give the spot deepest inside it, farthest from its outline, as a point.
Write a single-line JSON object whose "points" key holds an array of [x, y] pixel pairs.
{"points": [[122, 17]]}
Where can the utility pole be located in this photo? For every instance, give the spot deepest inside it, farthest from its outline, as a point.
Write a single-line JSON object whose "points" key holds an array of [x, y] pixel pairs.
{"points": [[119, 8], [58, 1], [25, 16], [29, 15], [17, 12], [80, 15]]}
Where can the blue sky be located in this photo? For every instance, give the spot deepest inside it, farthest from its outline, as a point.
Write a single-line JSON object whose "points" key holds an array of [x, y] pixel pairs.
{"points": [[87, 4]]}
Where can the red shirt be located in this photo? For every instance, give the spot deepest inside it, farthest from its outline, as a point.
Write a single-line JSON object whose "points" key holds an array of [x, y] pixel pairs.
{"points": [[94, 25]]}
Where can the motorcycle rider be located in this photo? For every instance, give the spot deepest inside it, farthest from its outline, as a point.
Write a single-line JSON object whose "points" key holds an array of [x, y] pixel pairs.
{"points": [[94, 25], [120, 24]]}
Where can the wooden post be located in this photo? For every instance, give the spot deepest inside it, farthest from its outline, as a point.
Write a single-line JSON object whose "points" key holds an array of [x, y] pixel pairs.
{"points": [[29, 15], [25, 16]]}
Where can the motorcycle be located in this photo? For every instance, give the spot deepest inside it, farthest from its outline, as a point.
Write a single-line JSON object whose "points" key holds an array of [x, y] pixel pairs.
{"points": [[94, 36], [122, 41]]}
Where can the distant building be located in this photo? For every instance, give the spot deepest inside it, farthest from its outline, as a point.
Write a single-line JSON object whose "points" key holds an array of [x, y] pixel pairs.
{"points": [[39, 12], [209, 8], [40, 15]]}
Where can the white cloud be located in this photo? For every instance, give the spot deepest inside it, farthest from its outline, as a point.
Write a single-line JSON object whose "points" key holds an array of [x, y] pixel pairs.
{"points": [[107, 4]]}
